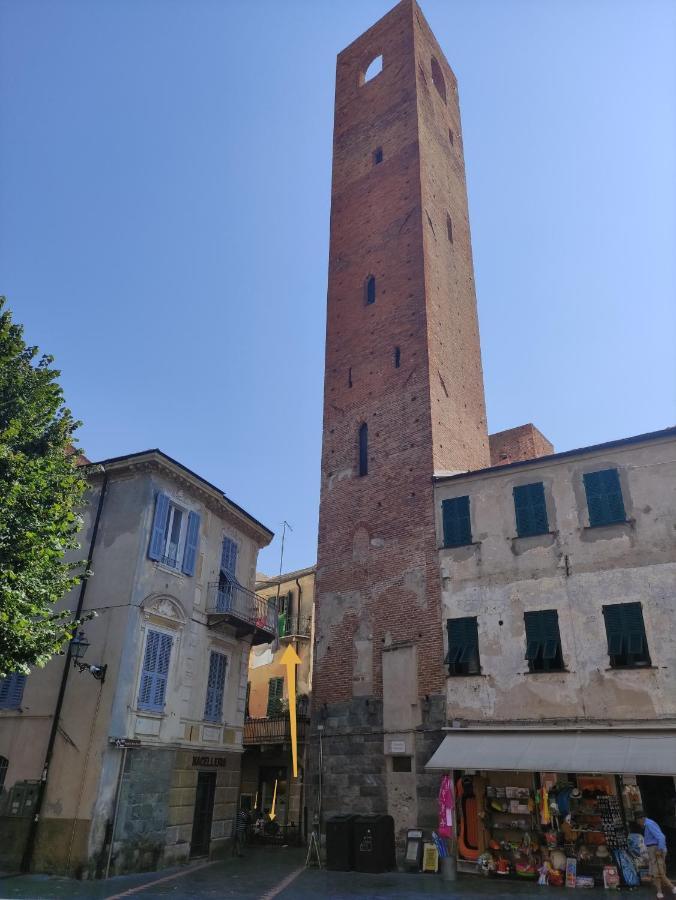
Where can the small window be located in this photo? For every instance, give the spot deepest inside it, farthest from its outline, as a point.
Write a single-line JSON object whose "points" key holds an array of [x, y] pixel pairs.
{"points": [[377, 156], [543, 641], [402, 764], [155, 671], [363, 449], [397, 357], [438, 79], [463, 646], [275, 696], [4, 763], [449, 228], [450, 136], [370, 290], [530, 509], [213, 707], [604, 497], [456, 519], [627, 644], [375, 67], [349, 377], [11, 690]]}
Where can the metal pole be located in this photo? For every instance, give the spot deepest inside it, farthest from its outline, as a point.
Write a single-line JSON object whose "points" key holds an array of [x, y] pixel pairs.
{"points": [[117, 806]]}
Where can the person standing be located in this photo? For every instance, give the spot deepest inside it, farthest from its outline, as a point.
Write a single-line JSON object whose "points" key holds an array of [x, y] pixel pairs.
{"points": [[656, 845], [241, 827]]}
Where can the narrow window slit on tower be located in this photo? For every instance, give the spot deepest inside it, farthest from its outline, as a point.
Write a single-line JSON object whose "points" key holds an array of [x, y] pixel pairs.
{"points": [[438, 78], [449, 227], [375, 67], [377, 156], [349, 377], [370, 290], [450, 136], [429, 220], [397, 357], [363, 449]]}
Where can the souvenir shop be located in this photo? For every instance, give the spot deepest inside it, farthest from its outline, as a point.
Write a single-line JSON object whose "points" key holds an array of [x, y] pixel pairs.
{"points": [[562, 827]]}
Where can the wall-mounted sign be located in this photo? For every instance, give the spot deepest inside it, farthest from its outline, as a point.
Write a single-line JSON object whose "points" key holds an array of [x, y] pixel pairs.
{"points": [[397, 746], [125, 742], [218, 762]]}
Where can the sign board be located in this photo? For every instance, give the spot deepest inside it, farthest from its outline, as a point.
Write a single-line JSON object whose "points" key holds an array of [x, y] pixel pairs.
{"points": [[125, 742], [397, 746], [218, 762]]}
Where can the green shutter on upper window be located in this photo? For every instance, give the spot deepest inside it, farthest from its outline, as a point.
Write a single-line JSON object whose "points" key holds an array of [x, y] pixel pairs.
{"points": [[543, 639], [456, 520], [604, 497], [625, 631], [530, 508], [463, 646]]}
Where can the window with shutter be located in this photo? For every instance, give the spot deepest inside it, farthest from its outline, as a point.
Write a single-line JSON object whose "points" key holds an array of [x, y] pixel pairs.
{"points": [[11, 690], [155, 671], [192, 538], [530, 509], [604, 497], [456, 519], [463, 646], [275, 695], [213, 707], [625, 630], [543, 641]]}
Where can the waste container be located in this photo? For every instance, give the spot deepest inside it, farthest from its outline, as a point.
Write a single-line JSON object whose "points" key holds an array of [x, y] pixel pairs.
{"points": [[374, 843], [340, 843]]}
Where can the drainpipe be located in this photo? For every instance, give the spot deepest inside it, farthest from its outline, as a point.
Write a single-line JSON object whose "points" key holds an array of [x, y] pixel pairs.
{"points": [[32, 834]]}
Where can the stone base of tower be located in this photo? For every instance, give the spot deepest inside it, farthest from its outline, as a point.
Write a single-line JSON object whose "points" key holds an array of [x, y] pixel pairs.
{"points": [[359, 771]]}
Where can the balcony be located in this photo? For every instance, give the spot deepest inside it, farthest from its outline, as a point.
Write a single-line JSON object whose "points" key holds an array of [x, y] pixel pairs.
{"points": [[289, 627], [273, 730], [228, 603]]}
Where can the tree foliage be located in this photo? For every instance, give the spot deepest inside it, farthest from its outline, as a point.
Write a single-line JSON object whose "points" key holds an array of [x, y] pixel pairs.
{"points": [[41, 489]]}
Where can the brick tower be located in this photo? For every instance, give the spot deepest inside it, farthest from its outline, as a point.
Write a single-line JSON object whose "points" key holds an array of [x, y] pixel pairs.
{"points": [[403, 399]]}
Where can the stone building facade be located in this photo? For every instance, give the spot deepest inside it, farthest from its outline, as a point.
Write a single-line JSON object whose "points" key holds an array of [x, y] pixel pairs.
{"points": [[146, 763], [403, 398], [267, 757]]}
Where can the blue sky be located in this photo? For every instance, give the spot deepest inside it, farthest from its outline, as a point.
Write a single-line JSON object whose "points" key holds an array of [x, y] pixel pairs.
{"points": [[164, 199]]}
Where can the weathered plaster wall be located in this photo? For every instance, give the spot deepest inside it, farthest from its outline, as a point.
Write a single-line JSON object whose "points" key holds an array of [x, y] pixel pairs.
{"points": [[576, 570]]}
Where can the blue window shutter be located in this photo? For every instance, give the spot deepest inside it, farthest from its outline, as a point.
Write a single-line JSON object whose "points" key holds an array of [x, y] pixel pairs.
{"points": [[604, 497], [159, 526], [456, 521], [531, 509], [192, 538], [155, 671], [11, 690], [213, 708], [229, 557]]}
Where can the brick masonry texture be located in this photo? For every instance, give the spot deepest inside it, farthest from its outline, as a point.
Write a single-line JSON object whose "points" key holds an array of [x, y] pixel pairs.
{"points": [[404, 221], [516, 444]]}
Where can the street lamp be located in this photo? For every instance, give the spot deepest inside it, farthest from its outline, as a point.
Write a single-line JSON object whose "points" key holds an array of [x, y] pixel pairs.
{"points": [[78, 647]]}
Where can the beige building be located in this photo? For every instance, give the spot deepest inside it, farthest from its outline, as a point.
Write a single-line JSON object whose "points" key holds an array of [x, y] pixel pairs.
{"points": [[145, 767], [559, 604], [267, 747]]}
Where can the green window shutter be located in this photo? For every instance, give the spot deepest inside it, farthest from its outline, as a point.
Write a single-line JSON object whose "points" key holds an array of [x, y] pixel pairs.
{"points": [[456, 520], [625, 631], [543, 639], [530, 508], [604, 497], [275, 694], [463, 646]]}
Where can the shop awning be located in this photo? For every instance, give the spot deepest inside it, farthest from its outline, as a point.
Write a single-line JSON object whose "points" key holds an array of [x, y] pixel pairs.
{"points": [[626, 752]]}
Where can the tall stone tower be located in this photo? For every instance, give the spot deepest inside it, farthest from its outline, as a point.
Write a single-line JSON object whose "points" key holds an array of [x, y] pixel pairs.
{"points": [[403, 399]]}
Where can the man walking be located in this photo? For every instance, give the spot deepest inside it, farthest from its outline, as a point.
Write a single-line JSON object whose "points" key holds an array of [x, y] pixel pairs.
{"points": [[240, 829], [656, 845]]}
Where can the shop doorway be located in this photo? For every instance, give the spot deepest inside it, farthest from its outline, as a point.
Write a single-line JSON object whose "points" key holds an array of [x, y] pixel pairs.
{"points": [[658, 794], [203, 814], [268, 776]]}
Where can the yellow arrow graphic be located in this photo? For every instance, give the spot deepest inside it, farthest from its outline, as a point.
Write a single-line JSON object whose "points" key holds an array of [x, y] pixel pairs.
{"points": [[291, 659], [274, 799]]}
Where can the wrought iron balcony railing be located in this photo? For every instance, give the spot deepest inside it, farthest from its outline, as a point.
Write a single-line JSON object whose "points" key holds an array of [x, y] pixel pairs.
{"points": [[273, 730], [293, 626], [232, 604]]}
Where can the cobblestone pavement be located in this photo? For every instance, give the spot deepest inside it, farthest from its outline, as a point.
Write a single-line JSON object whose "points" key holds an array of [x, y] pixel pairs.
{"points": [[273, 872]]}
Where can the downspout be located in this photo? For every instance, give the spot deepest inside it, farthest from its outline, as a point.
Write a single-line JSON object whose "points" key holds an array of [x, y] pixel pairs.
{"points": [[32, 834], [302, 818]]}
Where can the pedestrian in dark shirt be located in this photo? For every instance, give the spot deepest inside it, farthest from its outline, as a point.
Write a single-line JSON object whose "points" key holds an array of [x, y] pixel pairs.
{"points": [[240, 829]]}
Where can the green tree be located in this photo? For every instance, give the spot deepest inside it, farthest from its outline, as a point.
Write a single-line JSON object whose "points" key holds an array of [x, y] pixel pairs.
{"points": [[41, 489]]}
